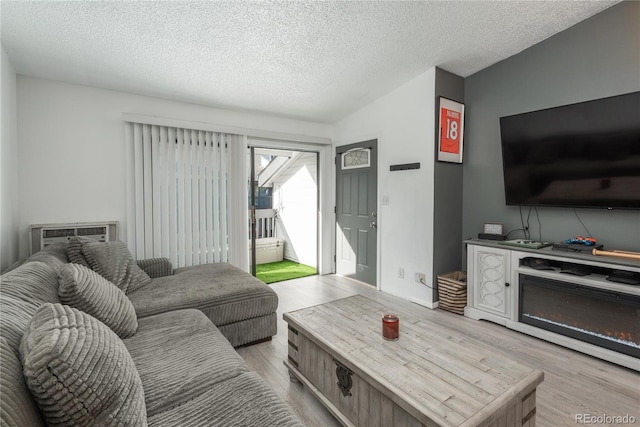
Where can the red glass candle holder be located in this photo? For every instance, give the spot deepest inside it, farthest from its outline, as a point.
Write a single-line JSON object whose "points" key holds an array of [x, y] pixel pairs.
{"points": [[390, 327]]}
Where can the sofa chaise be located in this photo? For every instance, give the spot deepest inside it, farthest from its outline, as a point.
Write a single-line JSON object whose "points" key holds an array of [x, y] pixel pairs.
{"points": [[77, 349], [241, 306]]}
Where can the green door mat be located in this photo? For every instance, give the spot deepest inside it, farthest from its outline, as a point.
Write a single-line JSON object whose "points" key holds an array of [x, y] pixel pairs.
{"points": [[283, 270]]}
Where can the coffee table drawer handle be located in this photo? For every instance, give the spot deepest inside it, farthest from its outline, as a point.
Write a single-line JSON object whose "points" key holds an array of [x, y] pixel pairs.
{"points": [[344, 378]]}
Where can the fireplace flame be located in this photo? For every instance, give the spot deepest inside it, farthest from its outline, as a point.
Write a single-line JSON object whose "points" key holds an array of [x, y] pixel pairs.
{"points": [[627, 336]]}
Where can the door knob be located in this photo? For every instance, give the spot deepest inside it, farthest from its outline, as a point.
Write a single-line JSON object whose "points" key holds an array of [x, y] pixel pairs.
{"points": [[373, 224]]}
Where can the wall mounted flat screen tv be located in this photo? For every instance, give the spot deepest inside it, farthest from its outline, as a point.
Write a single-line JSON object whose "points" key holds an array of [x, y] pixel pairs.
{"points": [[579, 155]]}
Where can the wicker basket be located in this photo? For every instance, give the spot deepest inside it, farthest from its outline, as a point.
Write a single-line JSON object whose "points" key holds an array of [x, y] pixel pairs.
{"points": [[452, 291]]}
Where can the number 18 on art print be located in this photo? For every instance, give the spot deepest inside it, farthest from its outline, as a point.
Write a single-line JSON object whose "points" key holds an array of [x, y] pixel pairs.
{"points": [[451, 131]]}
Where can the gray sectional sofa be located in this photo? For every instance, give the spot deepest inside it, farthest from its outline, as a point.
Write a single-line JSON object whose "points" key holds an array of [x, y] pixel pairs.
{"points": [[124, 347]]}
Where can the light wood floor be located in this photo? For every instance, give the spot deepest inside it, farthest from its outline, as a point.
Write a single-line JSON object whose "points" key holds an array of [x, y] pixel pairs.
{"points": [[574, 383]]}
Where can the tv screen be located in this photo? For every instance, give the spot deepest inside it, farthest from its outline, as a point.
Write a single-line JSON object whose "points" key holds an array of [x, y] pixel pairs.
{"points": [[579, 155]]}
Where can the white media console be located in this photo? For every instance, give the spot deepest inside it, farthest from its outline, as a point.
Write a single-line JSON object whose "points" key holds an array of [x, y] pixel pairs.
{"points": [[498, 277]]}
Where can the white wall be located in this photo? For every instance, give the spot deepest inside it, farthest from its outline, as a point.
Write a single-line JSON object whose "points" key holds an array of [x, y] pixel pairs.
{"points": [[9, 166], [295, 195], [403, 123], [71, 155]]}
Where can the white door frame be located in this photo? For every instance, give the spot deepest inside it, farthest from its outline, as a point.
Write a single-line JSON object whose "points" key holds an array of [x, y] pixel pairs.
{"points": [[326, 221]]}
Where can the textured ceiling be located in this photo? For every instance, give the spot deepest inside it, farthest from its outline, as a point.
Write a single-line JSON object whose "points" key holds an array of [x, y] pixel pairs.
{"points": [[317, 61]]}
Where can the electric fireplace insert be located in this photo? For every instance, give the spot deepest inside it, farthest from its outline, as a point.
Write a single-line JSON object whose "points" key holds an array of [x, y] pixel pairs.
{"points": [[600, 317]]}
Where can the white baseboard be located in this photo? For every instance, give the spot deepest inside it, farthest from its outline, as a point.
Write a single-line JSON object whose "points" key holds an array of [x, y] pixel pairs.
{"points": [[424, 303]]}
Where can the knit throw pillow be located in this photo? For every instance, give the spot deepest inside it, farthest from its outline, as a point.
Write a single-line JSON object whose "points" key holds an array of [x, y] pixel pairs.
{"points": [[113, 261], [88, 291], [79, 371], [22, 291], [17, 407], [74, 249]]}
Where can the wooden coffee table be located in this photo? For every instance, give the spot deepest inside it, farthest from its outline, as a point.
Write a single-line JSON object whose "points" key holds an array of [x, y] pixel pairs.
{"points": [[430, 376]]}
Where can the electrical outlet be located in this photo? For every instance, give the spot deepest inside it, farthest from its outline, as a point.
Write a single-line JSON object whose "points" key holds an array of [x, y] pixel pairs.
{"points": [[401, 273], [421, 278]]}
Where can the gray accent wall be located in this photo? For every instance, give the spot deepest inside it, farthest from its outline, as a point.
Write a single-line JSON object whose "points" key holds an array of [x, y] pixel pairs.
{"points": [[596, 58], [447, 197]]}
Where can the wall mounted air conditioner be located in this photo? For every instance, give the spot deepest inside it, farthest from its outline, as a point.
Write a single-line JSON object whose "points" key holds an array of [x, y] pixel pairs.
{"points": [[42, 235]]}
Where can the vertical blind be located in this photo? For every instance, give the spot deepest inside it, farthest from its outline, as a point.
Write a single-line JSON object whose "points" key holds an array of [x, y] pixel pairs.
{"points": [[179, 208]]}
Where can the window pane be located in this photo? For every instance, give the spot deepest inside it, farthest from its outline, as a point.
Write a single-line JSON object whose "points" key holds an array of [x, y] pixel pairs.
{"points": [[359, 158]]}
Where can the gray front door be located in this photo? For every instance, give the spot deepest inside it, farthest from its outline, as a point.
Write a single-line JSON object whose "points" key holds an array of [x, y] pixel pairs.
{"points": [[356, 211]]}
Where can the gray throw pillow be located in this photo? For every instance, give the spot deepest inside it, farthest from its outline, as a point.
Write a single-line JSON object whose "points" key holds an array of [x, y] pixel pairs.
{"points": [[22, 291], [17, 407], [74, 249], [113, 261], [79, 371], [88, 291]]}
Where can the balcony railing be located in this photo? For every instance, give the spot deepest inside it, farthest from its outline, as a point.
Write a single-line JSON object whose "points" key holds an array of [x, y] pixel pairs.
{"points": [[265, 223]]}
